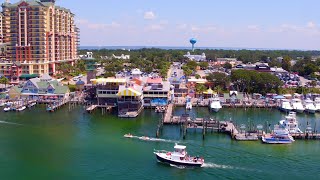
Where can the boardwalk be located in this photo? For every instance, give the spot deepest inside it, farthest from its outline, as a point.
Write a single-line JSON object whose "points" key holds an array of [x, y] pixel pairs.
{"points": [[168, 114]]}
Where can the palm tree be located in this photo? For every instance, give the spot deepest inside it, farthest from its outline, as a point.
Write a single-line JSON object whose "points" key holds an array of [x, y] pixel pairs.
{"points": [[218, 89]]}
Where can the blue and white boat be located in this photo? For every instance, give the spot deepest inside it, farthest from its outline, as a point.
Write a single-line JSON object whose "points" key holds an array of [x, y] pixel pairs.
{"points": [[279, 136]]}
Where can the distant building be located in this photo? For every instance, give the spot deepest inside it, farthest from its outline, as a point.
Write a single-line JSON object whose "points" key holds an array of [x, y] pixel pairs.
{"points": [[222, 61], [41, 88], [39, 34], [122, 56], [201, 57], [156, 92]]}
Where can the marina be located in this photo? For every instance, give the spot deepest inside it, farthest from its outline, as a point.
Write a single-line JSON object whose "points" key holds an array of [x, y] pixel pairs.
{"points": [[76, 136]]}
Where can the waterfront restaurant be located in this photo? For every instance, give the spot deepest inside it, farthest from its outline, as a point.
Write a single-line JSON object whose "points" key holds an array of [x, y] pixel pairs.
{"points": [[107, 90], [44, 89], [130, 100], [156, 92]]}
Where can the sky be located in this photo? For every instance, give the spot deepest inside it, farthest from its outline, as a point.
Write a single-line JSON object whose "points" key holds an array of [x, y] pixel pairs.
{"points": [[274, 24]]}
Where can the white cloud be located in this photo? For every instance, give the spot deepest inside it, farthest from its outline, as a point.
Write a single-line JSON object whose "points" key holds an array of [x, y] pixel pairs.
{"points": [[311, 24], [254, 28], [149, 15]]}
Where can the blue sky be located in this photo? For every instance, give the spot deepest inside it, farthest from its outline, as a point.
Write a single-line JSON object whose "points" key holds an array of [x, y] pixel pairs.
{"points": [[285, 24]]}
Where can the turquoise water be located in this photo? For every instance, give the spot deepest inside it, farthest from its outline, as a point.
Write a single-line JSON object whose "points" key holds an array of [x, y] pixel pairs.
{"points": [[76, 145]]}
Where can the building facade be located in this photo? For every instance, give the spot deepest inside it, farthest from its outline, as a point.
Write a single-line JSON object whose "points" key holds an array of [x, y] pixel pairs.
{"points": [[39, 35]]}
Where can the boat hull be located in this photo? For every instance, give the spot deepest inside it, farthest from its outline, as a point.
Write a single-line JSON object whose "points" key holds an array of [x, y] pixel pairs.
{"points": [[276, 141], [285, 109], [311, 111], [163, 160]]}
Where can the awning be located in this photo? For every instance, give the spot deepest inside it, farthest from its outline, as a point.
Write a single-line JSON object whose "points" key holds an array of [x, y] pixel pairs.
{"points": [[209, 91], [107, 80], [29, 76], [129, 92]]}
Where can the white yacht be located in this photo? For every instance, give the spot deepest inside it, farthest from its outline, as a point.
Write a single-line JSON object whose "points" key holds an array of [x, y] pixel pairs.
{"points": [[285, 106], [179, 157], [290, 123], [310, 108], [215, 104], [317, 103], [297, 105]]}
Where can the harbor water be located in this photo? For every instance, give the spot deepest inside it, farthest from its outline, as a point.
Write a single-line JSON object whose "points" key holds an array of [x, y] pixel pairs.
{"points": [[35, 144]]}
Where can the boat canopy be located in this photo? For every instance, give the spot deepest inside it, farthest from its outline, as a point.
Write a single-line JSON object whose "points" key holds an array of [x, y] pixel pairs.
{"points": [[179, 147], [129, 92], [107, 80]]}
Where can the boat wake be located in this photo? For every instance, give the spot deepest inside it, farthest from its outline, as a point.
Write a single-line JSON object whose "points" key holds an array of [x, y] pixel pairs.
{"points": [[5, 122], [213, 165], [145, 138]]}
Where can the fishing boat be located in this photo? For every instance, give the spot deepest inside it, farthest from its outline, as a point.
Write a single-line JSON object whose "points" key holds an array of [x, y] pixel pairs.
{"points": [[317, 103], [309, 106], [285, 106], [297, 105], [179, 157], [215, 104], [279, 136], [128, 135], [21, 108], [290, 123]]}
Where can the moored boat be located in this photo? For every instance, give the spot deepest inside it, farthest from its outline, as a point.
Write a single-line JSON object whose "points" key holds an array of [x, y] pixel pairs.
{"points": [[179, 157], [215, 104], [32, 104], [310, 108], [297, 105], [21, 108], [279, 136], [290, 123], [7, 109], [285, 106], [317, 103]]}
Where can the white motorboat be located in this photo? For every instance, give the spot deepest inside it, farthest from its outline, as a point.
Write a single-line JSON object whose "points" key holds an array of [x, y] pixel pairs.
{"points": [[21, 108], [279, 136], [290, 123], [297, 105], [128, 135], [6, 109], [215, 104], [309, 106], [145, 138], [317, 103], [189, 106], [179, 157], [285, 106]]}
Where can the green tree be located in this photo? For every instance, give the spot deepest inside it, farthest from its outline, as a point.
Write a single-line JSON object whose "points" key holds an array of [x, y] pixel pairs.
{"points": [[197, 76], [218, 79], [4, 80], [286, 64], [200, 88], [204, 65], [227, 66]]}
